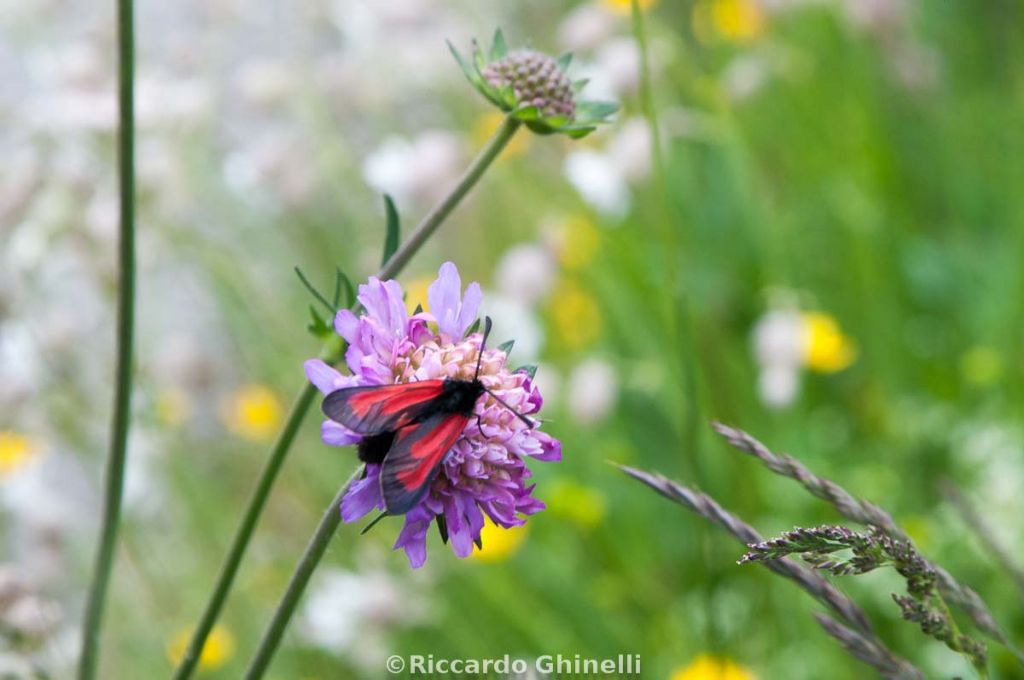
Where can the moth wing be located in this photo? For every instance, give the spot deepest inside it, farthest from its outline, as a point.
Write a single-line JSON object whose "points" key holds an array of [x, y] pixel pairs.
{"points": [[415, 457], [373, 409]]}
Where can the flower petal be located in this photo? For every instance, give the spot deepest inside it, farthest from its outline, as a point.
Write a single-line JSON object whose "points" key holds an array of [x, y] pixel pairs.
{"points": [[363, 496], [413, 537], [383, 302], [443, 297], [460, 534], [326, 378], [336, 434], [470, 305], [347, 325], [551, 448]]}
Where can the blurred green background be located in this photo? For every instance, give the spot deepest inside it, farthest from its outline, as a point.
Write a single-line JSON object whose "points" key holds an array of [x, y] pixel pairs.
{"points": [[820, 243]]}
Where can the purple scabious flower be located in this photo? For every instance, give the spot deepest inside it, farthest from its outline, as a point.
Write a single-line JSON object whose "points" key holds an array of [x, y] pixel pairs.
{"points": [[485, 472]]}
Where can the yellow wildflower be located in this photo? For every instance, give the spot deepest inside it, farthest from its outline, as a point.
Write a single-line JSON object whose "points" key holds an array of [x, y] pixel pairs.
{"points": [[739, 21], [708, 667], [253, 412], [173, 407], [981, 365], [581, 504], [578, 241], [486, 125], [416, 293], [218, 650], [16, 451], [626, 6], [827, 349], [498, 542], [575, 315]]}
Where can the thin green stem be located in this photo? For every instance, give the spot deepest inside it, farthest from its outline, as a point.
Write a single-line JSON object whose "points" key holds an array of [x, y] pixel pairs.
{"points": [[427, 226], [300, 578], [245, 530], [114, 474]]}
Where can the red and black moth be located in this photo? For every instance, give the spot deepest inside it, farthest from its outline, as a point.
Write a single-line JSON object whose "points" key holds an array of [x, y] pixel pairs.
{"points": [[408, 428]]}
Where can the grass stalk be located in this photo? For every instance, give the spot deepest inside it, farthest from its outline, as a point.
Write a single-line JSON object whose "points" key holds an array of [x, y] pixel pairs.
{"points": [[114, 474], [852, 629]]}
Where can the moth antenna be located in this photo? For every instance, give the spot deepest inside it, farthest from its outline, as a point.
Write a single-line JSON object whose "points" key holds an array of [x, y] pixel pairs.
{"points": [[480, 356], [373, 523], [529, 423]]}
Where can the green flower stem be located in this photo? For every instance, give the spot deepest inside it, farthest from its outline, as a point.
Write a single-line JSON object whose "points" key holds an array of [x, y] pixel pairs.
{"points": [[245, 530], [293, 593], [391, 268], [114, 474], [435, 217]]}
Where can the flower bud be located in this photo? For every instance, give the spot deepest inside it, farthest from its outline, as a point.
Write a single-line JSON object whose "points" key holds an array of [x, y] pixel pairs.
{"points": [[535, 80], [534, 88]]}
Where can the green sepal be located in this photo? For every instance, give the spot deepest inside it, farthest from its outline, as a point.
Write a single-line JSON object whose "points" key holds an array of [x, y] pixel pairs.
{"points": [[506, 346], [473, 328], [528, 114], [577, 132], [479, 60], [559, 121], [564, 61], [504, 97], [472, 75], [529, 369], [540, 127], [498, 47]]}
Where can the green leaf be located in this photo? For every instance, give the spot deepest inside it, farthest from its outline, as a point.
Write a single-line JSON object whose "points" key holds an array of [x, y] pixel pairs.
{"points": [[559, 121], [578, 132], [587, 111], [314, 292], [506, 97], [467, 69], [479, 60], [391, 237], [336, 298], [473, 329], [564, 61], [578, 85], [527, 113], [540, 127], [498, 97], [342, 284], [506, 346], [318, 327], [528, 369], [498, 47], [418, 310]]}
